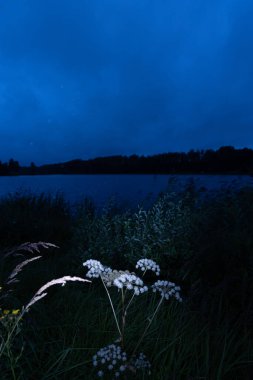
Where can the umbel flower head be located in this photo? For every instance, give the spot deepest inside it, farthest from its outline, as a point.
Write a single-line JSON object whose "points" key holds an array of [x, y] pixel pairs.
{"points": [[124, 279], [110, 277], [130, 282], [140, 363], [167, 289], [111, 359], [147, 264], [120, 279], [96, 269]]}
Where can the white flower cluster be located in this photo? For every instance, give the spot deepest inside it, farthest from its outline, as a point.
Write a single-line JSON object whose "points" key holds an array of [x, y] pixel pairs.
{"points": [[147, 264], [167, 289], [131, 282], [95, 268], [112, 358], [141, 362], [108, 278]]}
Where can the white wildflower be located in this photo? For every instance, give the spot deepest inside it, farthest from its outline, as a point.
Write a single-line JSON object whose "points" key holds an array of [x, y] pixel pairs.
{"points": [[131, 282], [141, 362], [113, 357], [96, 269], [147, 264], [167, 289]]}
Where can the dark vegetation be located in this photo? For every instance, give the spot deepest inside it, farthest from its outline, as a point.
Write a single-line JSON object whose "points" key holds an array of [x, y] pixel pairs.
{"points": [[203, 244], [224, 160]]}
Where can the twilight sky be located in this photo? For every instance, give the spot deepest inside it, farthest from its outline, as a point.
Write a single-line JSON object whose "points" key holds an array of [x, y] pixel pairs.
{"points": [[86, 78]]}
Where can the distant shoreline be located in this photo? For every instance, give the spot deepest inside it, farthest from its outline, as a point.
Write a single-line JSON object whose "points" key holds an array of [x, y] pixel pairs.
{"points": [[154, 174], [225, 160]]}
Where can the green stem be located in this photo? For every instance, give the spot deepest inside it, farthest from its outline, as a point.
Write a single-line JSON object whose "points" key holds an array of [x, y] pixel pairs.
{"points": [[148, 325], [11, 333], [113, 310], [123, 317], [10, 355], [129, 303]]}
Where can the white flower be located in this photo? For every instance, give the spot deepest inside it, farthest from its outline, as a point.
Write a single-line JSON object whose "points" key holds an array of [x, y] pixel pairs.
{"points": [[141, 362], [147, 264], [130, 281], [113, 357], [96, 269], [167, 289]]}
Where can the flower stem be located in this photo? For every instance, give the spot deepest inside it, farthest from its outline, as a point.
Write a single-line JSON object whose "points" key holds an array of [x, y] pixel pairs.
{"points": [[129, 303], [113, 310], [148, 325], [123, 317]]}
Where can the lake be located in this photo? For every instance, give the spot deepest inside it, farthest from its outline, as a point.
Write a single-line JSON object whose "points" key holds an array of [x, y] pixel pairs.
{"points": [[130, 190]]}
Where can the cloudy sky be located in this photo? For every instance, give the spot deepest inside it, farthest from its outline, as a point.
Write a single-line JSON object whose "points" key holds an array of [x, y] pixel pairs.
{"points": [[87, 78]]}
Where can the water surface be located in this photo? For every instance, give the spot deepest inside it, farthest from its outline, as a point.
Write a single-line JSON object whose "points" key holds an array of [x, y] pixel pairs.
{"points": [[130, 189]]}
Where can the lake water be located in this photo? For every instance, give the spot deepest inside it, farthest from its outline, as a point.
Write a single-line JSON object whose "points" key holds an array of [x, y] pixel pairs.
{"points": [[130, 190]]}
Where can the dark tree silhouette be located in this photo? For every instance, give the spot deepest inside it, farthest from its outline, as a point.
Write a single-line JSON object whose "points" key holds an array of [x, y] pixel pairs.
{"points": [[13, 166], [226, 159]]}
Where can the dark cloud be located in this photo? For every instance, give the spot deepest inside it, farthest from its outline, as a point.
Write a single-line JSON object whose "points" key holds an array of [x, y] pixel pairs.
{"points": [[87, 78]]}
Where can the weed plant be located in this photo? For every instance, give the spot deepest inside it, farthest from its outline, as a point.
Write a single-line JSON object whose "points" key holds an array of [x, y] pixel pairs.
{"points": [[11, 342], [29, 217], [123, 238], [205, 244], [113, 359]]}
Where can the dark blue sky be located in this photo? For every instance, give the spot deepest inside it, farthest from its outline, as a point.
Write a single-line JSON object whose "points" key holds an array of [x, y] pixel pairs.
{"points": [[86, 78]]}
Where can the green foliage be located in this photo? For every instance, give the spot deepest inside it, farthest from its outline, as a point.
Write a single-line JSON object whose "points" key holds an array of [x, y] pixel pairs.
{"points": [[219, 266], [204, 244], [125, 237], [67, 330], [28, 217]]}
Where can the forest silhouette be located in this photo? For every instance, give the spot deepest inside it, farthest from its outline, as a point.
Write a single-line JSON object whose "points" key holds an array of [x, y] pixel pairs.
{"points": [[225, 160]]}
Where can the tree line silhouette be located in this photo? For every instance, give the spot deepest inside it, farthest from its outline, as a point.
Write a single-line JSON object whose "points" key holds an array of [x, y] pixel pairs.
{"points": [[10, 168], [226, 159]]}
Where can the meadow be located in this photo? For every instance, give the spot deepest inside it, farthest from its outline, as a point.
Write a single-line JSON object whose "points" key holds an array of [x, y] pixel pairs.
{"points": [[204, 245]]}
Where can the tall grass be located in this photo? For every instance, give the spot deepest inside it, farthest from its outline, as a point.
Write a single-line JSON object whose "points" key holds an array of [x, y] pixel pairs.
{"points": [[203, 244], [65, 334], [29, 217]]}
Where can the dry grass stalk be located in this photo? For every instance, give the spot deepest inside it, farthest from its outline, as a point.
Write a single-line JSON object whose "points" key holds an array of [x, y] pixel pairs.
{"points": [[41, 293], [30, 247], [12, 278]]}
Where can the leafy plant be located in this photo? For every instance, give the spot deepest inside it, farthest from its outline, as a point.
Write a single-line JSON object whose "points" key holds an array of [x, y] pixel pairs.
{"points": [[114, 358]]}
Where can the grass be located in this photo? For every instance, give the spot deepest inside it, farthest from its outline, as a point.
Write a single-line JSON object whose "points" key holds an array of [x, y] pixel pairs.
{"points": [[203, 244], [28, 217], [177, 344]]}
